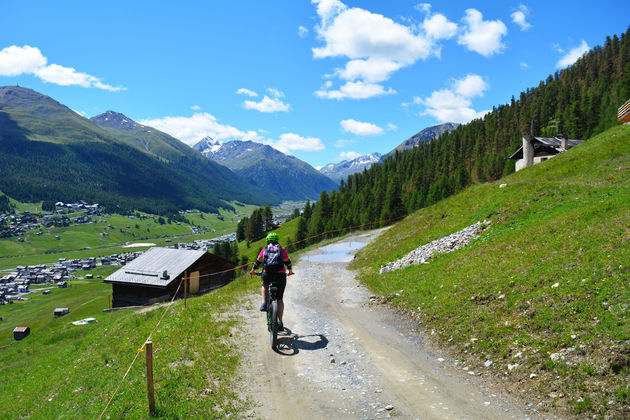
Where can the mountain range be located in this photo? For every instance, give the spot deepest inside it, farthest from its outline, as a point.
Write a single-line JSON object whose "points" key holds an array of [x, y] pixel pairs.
{"points": [[269, 169], [49, 152], [428, 133], [341, 170]]}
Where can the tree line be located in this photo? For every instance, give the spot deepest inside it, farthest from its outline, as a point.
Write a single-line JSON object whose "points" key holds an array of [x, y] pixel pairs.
{"points": [[256, 226], [579, 101]]}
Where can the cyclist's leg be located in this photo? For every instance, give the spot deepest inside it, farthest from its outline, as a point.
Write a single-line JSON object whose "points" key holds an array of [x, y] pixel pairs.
{"points": [[282, 282], [264, 288], [280, 309]]}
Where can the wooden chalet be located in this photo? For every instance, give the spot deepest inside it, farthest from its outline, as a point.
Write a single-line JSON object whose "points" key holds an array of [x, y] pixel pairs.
{"points": [[156, 274], [623, 113]]}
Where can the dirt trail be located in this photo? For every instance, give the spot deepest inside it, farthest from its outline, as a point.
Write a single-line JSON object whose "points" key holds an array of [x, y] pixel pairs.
{"points": [[343, 358]]}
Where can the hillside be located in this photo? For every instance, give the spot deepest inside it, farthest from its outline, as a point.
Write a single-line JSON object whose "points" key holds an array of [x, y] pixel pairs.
{"points": [[583, 97], [49, 152], [541, 298], [142, 137], [273, 172]]}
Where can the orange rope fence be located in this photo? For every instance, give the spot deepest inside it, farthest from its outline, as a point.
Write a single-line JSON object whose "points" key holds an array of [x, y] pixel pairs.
{"points": [[168, 308], [140, 350]]}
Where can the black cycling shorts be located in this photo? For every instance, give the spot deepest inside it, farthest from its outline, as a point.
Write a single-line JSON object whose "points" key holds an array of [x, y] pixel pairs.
{"points": [[280, 279]]}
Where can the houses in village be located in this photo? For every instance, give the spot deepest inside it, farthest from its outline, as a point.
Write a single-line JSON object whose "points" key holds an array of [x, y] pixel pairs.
{"points": [[18, 224], [16, 283]]}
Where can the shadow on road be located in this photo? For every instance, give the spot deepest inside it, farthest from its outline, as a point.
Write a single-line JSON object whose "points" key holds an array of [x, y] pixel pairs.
{"points": [[290, 344]]}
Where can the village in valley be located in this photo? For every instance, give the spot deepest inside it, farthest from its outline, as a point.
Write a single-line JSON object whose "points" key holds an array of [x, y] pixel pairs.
{"points": [[21, 282]]}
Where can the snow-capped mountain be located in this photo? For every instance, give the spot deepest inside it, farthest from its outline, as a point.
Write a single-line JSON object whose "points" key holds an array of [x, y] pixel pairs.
{"points": [[341, 170], [272, 171], [208, 146]]}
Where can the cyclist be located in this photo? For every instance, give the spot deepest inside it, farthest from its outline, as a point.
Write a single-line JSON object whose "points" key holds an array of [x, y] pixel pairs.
{"points": [[273, 258]]}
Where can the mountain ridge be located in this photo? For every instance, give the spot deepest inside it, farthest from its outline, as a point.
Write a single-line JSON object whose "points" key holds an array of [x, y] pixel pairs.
{"points": [[271, 170], [49, 152], [341, 170]]}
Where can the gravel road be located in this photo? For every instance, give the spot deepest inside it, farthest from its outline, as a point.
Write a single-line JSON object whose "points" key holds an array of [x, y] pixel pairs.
{"points": [[344, 358]]}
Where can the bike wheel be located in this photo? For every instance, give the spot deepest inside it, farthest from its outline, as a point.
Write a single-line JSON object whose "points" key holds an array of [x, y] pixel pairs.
{"points": [[273, 330]]}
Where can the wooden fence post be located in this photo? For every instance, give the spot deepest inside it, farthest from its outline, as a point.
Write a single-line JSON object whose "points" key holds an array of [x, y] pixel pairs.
{"points": [[149, 358]]}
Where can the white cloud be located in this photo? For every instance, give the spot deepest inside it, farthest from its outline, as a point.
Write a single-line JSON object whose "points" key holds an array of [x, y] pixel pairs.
{"points": [[361, 128], [520, 17], [355, 90], [291, 141], [524, 64], [15, 61], [343, 143], [302, 31], [195, 108], [357, 33], [371, 70], [246, 92], [327, 9], [374, 45], [392, 127], [470, 86], [439, 27], [267, 104], [573, 55], [423, 7], [192, 129], [275, 92], [347, 156], [454, 104], [482, 36]]}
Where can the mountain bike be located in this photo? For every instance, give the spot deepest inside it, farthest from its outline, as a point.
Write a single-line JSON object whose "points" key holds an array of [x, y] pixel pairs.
{"points": [[272, 313]]}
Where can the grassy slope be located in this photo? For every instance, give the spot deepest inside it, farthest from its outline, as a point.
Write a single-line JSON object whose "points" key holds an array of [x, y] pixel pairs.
{"points": [[564, 221], [62, 369]]}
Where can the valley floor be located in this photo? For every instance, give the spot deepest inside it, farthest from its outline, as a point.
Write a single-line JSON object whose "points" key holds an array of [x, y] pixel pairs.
{"points": [[343, 357]]}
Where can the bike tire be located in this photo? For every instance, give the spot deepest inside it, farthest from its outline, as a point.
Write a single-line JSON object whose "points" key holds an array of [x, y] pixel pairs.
{"points": [[273, 330]]}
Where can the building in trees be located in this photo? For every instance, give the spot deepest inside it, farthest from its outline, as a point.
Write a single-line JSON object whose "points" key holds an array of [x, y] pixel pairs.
{"points": [[538, 149]]}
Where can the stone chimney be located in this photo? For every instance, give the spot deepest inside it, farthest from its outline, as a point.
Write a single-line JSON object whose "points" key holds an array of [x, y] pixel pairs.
{"points": [[564, 141], [528, 151]]}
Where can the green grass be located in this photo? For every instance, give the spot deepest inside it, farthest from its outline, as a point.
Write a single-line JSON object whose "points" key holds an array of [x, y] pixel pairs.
{"points": [[563, 221], [62, 369], [86, 240]]}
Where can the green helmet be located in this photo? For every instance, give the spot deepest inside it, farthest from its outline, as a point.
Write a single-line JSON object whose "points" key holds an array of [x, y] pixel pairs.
{"points": [[273, 237]]}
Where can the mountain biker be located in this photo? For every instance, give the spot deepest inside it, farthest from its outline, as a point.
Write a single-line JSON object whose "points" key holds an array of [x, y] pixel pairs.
{"points": [[273, 258]]}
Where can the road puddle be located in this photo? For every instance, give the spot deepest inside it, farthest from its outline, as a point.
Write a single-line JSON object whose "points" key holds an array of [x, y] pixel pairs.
{"points": [[338, 252]]}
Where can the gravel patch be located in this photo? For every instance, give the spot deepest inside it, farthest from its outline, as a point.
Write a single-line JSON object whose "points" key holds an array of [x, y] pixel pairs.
{"points": [[444, 245]]}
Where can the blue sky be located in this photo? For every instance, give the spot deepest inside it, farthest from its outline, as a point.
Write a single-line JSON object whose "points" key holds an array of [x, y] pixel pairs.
{"points": [[323, 80]]}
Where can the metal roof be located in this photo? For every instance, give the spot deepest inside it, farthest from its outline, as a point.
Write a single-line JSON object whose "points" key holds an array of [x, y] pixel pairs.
{"points": [[148, 268], [547, 143]]}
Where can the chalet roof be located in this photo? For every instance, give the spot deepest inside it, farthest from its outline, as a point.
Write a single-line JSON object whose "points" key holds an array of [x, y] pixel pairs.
{"points": [[20, 329], [549, 144], [148, 268]]}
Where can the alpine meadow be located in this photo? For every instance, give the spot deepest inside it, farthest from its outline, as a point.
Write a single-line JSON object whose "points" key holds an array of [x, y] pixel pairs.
{"points": [[322, 209]]}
